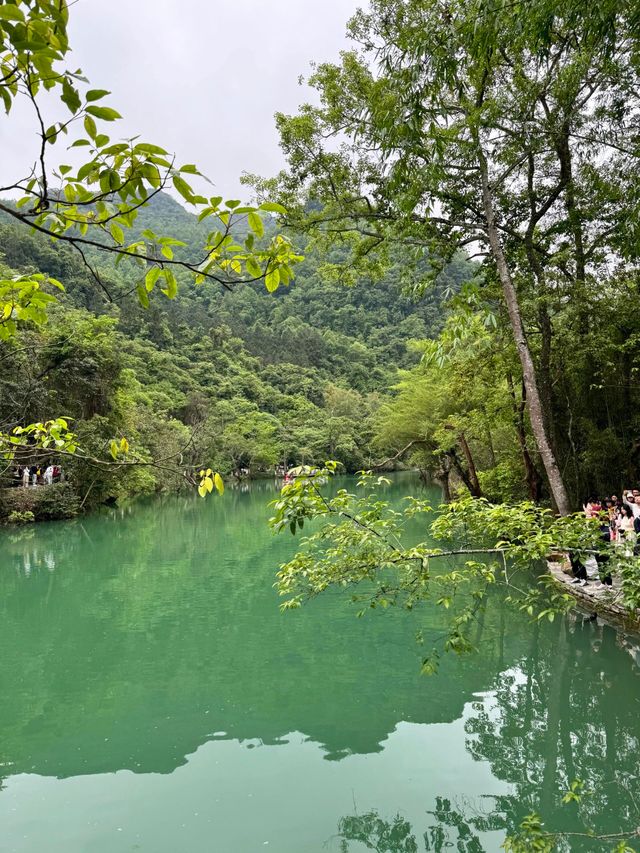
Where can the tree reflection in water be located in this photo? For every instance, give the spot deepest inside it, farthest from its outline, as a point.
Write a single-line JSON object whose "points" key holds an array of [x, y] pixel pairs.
{"points": [[452, 830], [539, 729], [131, 639], [394, 836]]}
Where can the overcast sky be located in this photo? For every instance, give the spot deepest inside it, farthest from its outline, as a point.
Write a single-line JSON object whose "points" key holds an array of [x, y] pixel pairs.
{"points": [[203, 78]]}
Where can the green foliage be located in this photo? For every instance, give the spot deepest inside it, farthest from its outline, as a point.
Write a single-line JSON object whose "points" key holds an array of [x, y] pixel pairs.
{"points": [[57, 501], [95, 207], [358, 542], [17, 517], [377, 834], [506, 128], [532, 837], [23, 299], [455, 427], [230, 381], [574, 793], [41, 503]]}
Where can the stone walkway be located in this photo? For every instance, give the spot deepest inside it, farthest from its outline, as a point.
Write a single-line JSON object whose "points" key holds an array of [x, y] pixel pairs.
{"points": [[596, 597]]}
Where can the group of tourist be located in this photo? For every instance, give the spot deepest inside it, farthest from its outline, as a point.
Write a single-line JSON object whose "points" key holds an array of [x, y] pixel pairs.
{"points": [[37, 475], [619, 519]]}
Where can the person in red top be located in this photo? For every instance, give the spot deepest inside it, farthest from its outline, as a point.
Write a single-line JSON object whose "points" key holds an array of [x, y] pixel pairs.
{"points": [[592, 508]]}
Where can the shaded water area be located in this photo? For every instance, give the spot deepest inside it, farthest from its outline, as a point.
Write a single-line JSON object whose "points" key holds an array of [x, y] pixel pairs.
{"points": [[153, 698]]}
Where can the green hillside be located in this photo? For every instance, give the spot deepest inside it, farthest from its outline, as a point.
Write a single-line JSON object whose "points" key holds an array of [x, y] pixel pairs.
{"points": [[236, 380]]}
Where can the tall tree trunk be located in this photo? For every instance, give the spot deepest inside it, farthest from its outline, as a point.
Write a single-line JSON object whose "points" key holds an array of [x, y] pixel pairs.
{"points": [[536, 416], [546, 337], [544, 320], [532, 475], [490, 446], [471, 465], [463, 473], [443, 476], [563, 149]]}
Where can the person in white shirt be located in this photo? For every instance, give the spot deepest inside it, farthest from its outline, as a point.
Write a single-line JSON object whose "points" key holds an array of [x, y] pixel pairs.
{"points": [[625, 524]]}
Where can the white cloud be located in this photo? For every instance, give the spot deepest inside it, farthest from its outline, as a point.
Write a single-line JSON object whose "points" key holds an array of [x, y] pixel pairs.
{"points": [[201, 78]]}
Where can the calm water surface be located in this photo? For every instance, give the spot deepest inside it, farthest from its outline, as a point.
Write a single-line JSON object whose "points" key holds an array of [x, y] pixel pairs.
{"points": [[153, 698]]}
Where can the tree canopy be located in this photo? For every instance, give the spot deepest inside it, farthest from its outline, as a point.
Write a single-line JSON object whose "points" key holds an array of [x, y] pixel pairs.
{"points": [[506, 128]]}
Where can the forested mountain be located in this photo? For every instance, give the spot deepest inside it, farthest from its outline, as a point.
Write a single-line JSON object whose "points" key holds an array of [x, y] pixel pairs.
{"points": [[240, 379]]}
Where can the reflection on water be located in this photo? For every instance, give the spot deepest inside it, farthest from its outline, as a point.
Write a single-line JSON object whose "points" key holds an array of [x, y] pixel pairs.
{"points": [[154, 698]]}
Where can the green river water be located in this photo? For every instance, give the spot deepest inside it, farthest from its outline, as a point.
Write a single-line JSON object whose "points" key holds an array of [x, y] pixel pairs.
{"points": [[153, 698]]}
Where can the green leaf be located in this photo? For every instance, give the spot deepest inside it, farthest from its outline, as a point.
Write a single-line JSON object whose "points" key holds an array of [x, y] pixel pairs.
{"points": [[90, 127], [272, 207], [171, 290], [148, 148], [85, 170], [151, 278], [143, 296], [219, 484], [272, 280], [104, 113], [183, 188], [70, 97], [256, 224], [96, 94], [6, 98], [11, 13], [117, 233]]}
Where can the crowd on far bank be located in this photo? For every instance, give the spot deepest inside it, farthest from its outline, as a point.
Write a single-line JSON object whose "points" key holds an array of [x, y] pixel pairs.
{"points": [[37, 475], [619, 519]]}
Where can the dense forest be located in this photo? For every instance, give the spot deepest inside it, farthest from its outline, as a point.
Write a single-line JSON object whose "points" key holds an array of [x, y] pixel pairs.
{"points": [[472, 318], [511, 134], [370, 371], [236, 380]]}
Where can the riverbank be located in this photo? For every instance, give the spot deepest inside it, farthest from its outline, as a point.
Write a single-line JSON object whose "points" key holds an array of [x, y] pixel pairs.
{"points": [[19, 505], [597, 598]]}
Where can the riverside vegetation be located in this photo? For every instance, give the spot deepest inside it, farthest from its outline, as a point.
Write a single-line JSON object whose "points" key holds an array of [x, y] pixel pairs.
{"points": [[238, 380], [487, 168]]}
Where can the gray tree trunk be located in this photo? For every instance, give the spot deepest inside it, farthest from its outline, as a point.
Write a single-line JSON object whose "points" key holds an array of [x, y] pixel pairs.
{"points": [[536, 415]]}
